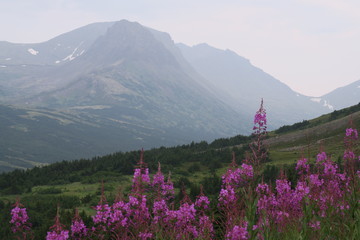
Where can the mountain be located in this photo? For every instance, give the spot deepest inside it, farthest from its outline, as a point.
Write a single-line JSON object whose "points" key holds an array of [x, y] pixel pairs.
{"points": [[125, 82], [61, 49], [116, 86], [22, 64], [341, 97], [245, 84]]}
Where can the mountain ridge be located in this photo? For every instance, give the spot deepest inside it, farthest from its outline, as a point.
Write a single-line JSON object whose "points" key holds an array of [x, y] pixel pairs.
{"points": [[133, 83]]}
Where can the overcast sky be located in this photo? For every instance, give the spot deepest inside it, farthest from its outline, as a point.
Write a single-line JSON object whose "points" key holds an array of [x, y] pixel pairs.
{"points": [[311, 45]]}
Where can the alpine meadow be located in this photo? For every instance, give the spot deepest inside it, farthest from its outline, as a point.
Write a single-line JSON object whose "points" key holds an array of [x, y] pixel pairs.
{"points": [[114, 131]]}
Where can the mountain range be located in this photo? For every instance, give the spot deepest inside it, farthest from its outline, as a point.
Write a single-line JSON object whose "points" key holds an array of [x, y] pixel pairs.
{"points": [[119, 85]]}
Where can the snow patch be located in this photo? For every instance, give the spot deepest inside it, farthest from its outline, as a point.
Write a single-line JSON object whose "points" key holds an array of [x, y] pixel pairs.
{"points": [[318, 100], [328, 105], [3, 66], [72, 56], [297, 95], [7, 59], [33, 51], [57, 61], [358, 86], [23, 65]]}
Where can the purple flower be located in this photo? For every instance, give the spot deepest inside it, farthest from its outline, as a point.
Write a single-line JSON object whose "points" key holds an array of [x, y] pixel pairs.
{"points": [[162, 188], [282, 186], [239, 176], [260, 118], [120, 213], [183, 221], [62, 235], [349, 155], [247, 172], [145, 236], [141, 175], [202, 202], [160, 210], [315, 181], [262, 188], [227, 196], [321, 157], [351, 132], [315, 225], [102, 214], [206, 228], [302, 167], [238, 233], [78, 228], [19, 219], [302, 188], [329, 168]]}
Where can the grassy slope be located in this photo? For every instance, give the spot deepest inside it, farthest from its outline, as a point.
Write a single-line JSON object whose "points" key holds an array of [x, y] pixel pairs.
{"points": [[328, 135], [284, 148]]}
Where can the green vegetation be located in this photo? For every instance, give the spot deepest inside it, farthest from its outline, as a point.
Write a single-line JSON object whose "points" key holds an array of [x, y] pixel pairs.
{"points": [[77, 184]]}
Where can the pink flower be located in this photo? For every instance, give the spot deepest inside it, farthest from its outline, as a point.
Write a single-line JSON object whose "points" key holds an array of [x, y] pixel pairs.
{"points": [[321, 157], [282, 186], [247, 172], [145, 236], [102, 213], [58, 232], [19, 219], [349, 154], [315, 181], [227, 196], [63, 235], [202, 202], [78, 228], [160, 210], [238, 233], [262, 188], [302, 167], [206, 227], [351, 132], [260, 119], [315, 225]]}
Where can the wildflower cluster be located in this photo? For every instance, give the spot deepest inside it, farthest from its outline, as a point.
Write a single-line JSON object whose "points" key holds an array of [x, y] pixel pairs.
{"points": [[58, 230], [19, 220]]}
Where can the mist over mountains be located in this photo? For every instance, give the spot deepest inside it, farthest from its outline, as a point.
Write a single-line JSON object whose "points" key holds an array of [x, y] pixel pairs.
{"points": [[122, 86]]}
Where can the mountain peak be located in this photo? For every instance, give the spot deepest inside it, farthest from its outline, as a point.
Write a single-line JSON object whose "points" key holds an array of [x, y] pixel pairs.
{"points": [[129, 41]]}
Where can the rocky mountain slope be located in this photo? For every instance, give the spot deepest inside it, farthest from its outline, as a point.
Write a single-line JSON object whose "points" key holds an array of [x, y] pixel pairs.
{"points": [[121, 86], [245, 84]]}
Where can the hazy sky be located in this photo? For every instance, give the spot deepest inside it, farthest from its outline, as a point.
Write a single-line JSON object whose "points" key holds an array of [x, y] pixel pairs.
{"points": [[311, 45]]}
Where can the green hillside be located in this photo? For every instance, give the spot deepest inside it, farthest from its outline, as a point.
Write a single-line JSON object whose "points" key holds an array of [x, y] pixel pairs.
{"points": [[78, 183], [286, 145]]}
